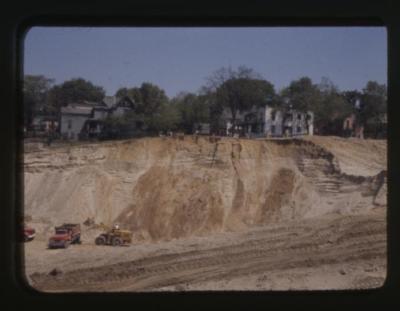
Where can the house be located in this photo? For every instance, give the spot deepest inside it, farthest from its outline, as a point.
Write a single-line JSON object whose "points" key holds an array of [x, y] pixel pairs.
{"points": [[42, 125], [351, 128], [45, 123], [85, 119], [118, 106], [73, 118], [270, 122]]}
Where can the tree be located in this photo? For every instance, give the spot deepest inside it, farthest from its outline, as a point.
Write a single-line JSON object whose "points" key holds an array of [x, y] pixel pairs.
{"points": [[373, 108], [301, 95], [192, 109], [332, 109], [152, 110], [328, 104], [73, 91], [165, 118], [353, 98], [134, 93], [152, 98], [239, 90], [35, 91], [122, 92], [148, 97]]}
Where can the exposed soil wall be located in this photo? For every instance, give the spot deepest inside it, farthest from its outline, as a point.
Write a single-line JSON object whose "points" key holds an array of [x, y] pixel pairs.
{"points": [[164, 188]]}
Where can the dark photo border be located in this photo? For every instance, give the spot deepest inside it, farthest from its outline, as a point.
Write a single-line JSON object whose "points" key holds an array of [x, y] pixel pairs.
{"points": [[18, 17]]}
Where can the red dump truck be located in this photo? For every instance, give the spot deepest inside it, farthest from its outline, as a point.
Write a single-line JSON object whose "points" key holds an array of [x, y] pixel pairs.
{"points": [[65, 235]]}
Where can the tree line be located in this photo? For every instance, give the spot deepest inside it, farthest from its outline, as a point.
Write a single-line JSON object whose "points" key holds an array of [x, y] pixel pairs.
{"points": [[234, 89]]}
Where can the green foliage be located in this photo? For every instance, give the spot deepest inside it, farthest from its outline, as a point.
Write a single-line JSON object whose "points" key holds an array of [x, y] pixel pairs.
{"points": [[35, 91], [149, 98], [333, 105], [373, 108], [373, 102], [330, 107], [191, 109], [122, 92], [152, 98], [353, 98], [165, 118], [74, 90], [152, 107], [153, 112], [114, 126], [301, 95], [239, 90]]}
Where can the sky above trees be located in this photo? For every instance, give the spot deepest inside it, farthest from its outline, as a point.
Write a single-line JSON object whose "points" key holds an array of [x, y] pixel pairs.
{"points": [[181, 59]]}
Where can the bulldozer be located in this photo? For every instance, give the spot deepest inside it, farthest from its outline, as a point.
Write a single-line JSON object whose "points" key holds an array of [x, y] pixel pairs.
{"points": [[114, 236]]}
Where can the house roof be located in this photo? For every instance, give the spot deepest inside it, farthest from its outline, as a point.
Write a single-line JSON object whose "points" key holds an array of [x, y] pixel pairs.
{"points": [[77, 109], [113, 102], [86, 107], [110, 101], [90, 103]]}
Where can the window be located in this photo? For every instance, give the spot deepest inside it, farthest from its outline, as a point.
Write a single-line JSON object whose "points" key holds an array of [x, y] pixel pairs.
{"points": [[299, 116], [298, 129], [272, 129], [273, 115], [69, 124]]}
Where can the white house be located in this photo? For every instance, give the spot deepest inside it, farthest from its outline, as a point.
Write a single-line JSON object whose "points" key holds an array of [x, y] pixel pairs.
{"points": [[269, 121], [85, 119]]}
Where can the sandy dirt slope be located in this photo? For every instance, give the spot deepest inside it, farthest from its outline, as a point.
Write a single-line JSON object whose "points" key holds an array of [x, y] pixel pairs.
{"points": [[164, 188], [225, 214], [363, 157]]}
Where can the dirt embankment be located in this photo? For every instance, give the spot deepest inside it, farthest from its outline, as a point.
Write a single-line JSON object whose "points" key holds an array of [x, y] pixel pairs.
{"points": [[163, 188]]}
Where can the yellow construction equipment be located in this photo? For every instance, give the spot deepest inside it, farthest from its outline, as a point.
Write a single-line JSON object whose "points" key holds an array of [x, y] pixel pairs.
{"points": [[114, 236]]}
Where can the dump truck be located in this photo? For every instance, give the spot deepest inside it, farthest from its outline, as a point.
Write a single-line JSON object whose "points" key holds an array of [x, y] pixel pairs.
{"points": [[114, 236], [65, 235]]}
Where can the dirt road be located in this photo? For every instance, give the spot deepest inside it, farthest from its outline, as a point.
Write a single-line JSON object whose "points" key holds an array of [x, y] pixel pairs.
{"points": [[326, 253]]}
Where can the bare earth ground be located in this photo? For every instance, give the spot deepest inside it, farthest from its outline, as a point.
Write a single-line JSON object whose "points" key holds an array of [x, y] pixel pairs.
{"points": [[326, 253], [337, 241]]}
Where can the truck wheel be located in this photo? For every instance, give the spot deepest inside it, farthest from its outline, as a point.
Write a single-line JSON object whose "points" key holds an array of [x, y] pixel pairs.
{"points": [[100, 240], [78, 240], [116, 242], [66, 244]]}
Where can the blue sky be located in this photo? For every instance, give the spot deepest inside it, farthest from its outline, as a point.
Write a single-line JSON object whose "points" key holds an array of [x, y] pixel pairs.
{"points": [[180, 59]]}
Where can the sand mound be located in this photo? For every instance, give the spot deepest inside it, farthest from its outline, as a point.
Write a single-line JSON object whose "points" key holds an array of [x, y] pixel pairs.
{"points": [[163, 188]]}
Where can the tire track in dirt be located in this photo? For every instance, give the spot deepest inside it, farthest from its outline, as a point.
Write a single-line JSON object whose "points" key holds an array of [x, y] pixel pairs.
{"points": [[305, 245]]}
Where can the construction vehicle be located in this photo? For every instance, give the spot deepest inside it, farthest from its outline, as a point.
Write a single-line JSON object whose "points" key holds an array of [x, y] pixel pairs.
{"points": [[114, 236], [65, 235]]}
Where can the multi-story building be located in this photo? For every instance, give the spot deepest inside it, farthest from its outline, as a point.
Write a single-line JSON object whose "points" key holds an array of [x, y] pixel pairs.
{"points": [[85, 119], [269, 122]]}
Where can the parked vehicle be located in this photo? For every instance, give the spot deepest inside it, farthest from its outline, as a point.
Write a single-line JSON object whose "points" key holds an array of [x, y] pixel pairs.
{"points": [[65, 235], [28, 234], [114, 237]]}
